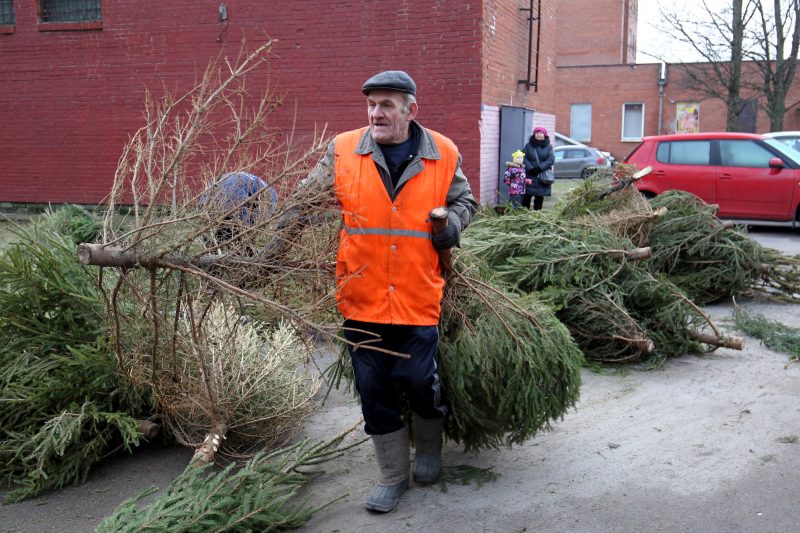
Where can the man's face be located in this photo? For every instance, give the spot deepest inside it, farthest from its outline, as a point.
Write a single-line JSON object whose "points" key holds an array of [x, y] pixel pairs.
{"points": [[386, 116]]}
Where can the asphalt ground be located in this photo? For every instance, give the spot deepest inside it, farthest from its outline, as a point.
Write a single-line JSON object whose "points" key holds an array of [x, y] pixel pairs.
{"points": [[708, 443]]}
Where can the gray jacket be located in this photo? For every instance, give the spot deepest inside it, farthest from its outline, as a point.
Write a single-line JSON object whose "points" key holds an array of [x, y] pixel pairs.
{"points": [[460, 202]]}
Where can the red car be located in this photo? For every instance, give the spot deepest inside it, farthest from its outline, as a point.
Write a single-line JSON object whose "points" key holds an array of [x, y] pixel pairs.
{"points": [[749, 176]]}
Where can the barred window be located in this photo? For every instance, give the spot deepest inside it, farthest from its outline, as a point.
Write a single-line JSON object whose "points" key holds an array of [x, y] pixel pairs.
{"points": [[69, 10], [7, 12]]}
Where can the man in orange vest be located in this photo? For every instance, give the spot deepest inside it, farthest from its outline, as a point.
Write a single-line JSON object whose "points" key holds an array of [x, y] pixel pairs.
{"points": [[387, 177]]}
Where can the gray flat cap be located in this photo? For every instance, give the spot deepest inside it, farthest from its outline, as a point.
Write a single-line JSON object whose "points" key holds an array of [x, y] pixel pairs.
{"points": [[392, 80]]}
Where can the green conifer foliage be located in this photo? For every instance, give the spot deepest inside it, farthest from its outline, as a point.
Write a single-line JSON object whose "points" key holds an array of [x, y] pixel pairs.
{"points": [[260, 495], [63, 402], [706, 258], [508, 366], [615, 309], [775, 335]]}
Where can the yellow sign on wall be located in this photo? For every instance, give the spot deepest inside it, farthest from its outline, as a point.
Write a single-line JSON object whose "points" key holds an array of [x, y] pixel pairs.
{"points": [[687, 117]]}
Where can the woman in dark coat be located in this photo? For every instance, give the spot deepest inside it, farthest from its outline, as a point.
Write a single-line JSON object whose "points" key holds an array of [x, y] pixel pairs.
{"points": [[538, 145]]}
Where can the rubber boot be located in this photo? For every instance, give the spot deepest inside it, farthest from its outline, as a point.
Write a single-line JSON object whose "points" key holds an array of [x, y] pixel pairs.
{"points": [[428, 445], [391, 451]]}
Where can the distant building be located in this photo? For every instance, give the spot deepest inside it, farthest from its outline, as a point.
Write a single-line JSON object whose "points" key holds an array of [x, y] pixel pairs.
{"points": [[73, 79], [608, 101]]}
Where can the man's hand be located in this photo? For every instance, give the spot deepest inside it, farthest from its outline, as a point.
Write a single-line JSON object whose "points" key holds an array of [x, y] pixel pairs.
{"points": [[449, 236]]}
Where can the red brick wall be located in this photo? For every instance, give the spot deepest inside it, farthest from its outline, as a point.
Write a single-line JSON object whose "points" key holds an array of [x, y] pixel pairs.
{"points": [[608, 87], [505, 54], [594, 32], [69, 100]]}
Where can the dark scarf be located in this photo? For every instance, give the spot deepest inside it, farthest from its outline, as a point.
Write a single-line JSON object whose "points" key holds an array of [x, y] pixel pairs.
{"points": [[544, 142], [398, 156]]}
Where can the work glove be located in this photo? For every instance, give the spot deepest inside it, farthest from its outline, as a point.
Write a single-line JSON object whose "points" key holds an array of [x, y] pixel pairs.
{"points": [[450, 236]]}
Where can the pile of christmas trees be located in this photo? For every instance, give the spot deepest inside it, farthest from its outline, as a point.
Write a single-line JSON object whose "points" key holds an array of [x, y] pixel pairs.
{"points": [[628, 277]]}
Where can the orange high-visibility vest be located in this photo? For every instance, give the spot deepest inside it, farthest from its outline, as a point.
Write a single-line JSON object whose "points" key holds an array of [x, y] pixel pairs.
{"points": [[387, 270]]}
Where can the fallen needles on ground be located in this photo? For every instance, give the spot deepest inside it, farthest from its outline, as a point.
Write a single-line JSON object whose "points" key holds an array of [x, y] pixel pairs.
{"points": [[775, 335], [465, 475]]}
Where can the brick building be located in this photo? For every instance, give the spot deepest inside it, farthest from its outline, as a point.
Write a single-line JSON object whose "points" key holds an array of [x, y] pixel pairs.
{"points": [[607, 100], [73, 74], [597, 32]]}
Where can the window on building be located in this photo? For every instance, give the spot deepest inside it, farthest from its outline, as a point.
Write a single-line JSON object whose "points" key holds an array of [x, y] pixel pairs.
{"points": [[744, 154], [684, 152], [580, 122], [7, 13], [632, 122], [69, 10]]}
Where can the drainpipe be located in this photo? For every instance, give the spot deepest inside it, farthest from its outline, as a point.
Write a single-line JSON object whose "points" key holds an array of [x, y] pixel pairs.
{"points": [[662, 82]]}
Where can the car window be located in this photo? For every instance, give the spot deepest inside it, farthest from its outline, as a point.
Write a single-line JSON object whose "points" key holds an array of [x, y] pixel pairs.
{"points": [[744, 153], [560, 154], [786, 151], [792, 142], [684, 152]]}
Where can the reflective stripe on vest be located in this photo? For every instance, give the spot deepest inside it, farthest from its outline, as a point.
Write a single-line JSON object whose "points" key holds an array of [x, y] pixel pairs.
{"points": [[388, 231], [387, 269]]}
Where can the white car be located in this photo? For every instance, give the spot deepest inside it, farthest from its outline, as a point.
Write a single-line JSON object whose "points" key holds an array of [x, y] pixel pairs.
{"points": [[789, 138]]}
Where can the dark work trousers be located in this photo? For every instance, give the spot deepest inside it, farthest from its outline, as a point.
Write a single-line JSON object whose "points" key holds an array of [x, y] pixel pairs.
{"points": [[537, 202], [380, 377]]}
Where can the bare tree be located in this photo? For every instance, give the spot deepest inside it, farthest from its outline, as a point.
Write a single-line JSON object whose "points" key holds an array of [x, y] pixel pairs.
{"points": [[718, 38], [762, 34], [775, 40]]}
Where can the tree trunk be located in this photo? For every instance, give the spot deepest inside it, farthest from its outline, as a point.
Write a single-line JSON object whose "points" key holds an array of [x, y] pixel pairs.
{"points": [[110, 256], [148, 429], [777, 69], [206, 452], [777, 110], [733, 101], [734, 343]]}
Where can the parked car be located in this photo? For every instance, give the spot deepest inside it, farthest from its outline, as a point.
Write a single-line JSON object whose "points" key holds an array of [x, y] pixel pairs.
{"points": [[560, 139], [750, 177], [577, 161], [789, 138]]}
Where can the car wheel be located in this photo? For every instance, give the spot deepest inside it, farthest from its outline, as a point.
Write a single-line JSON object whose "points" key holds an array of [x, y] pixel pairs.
{"points": [[648, 195], [586, 172]]}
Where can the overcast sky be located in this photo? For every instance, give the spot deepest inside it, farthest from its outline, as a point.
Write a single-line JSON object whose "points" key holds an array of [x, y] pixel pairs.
{"points": [[649, 39]]}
